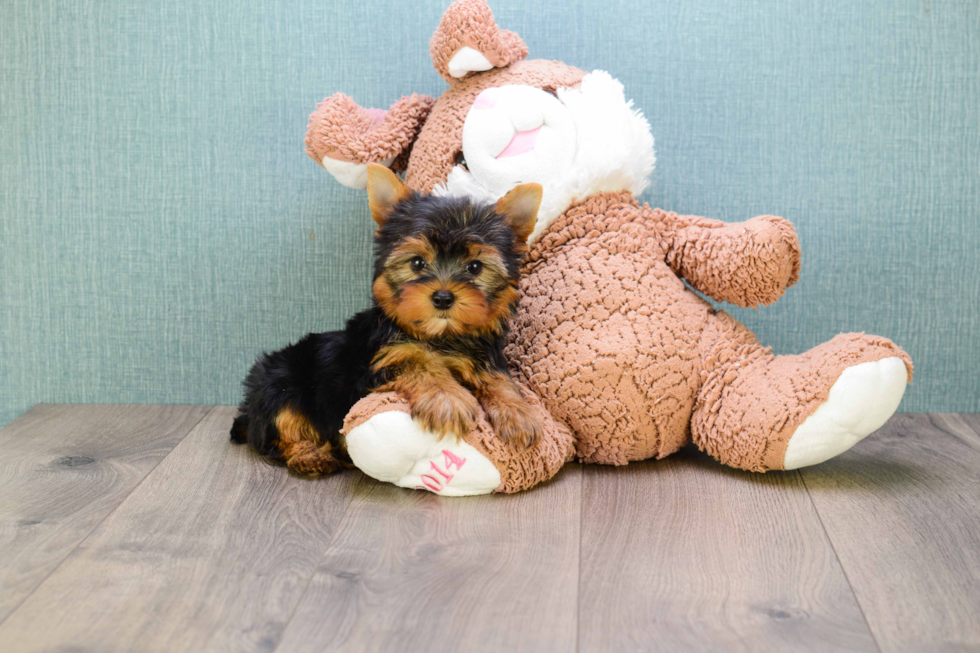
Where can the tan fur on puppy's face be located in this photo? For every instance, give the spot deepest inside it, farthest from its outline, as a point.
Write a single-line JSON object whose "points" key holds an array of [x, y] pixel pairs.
{"points": [[483, 301], [415, 313]]}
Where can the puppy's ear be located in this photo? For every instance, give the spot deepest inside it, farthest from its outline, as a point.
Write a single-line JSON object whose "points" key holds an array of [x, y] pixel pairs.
{"points": [[520, 208], [385, 190]]}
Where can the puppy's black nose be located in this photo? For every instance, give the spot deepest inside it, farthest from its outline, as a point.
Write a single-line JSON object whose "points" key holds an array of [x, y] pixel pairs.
{"points": [[443, 299]]}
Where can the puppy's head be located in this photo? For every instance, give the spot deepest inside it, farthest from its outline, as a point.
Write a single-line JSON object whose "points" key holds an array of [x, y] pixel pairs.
{"points": [[448, 267]]}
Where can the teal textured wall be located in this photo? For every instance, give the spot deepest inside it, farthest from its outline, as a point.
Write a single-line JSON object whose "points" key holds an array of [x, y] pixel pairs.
{"points": [[160, 223]]}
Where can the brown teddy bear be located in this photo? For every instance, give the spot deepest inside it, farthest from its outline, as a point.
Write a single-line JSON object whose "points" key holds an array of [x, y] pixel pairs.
{"points": [[623, 361]]}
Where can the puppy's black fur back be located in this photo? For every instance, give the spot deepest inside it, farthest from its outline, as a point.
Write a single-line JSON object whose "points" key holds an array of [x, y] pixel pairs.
{"points": [[322, 376]]}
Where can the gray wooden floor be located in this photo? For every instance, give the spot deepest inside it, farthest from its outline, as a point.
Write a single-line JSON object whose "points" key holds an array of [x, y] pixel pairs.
{"points": [[141, 528]]}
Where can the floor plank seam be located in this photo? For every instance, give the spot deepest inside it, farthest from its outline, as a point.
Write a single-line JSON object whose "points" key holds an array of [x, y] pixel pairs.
{"points": [[326, 550], [840, 564], [578, 581], [940, 417], [96, 527]]}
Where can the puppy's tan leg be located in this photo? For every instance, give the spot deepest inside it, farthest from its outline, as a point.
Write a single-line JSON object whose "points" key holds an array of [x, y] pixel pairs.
{"points": [[301, 445], [439, 403], [506, 409]]}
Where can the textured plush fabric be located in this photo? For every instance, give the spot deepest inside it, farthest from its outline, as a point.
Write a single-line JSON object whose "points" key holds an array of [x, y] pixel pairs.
{"points": [[342, 130], [634, 362], [160, 223], [750, 402], [470, 24], [702, 251]]}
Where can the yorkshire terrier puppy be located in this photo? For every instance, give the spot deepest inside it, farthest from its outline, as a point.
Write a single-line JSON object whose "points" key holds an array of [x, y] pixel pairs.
{"points": [[445, 284]]}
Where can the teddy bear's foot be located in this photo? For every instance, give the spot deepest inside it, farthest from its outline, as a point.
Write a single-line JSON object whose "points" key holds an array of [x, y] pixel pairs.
{"points": [[859, 403], [752, 404], [385, 443], [391, 447]]}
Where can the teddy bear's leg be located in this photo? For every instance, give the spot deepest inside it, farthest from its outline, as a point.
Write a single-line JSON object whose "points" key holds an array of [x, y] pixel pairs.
{"points": [[760, 412], [385, 443]]}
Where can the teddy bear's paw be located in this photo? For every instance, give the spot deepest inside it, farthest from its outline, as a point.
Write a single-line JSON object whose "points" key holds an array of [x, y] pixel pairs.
{"points": [[860, 402], [393, 448]]}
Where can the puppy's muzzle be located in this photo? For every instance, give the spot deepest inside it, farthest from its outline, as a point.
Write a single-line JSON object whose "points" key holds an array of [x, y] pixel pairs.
{"points": [[443, 299]]}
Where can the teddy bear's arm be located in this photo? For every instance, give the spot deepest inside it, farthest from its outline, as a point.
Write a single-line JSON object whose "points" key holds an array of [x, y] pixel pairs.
{"points": [[344, 137], [743, 263]]}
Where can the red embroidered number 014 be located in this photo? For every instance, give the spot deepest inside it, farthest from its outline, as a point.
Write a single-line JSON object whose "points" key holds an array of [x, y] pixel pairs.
{"points": [[437, 479]]}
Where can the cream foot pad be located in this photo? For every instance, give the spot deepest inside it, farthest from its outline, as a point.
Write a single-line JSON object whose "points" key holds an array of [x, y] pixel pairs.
{"points": [[860, 402], [391, 447]]}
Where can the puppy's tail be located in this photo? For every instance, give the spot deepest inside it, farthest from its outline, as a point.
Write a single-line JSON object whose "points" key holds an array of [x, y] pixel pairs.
{"points": [[256, 429], [239, 429]]}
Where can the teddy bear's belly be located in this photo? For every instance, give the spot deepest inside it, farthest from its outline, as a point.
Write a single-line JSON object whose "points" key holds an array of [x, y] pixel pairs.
{"points": [[609, 341]]}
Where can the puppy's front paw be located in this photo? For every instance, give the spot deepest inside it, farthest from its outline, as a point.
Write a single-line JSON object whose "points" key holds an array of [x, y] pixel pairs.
{"points": [[516, 423], [446, 412]]}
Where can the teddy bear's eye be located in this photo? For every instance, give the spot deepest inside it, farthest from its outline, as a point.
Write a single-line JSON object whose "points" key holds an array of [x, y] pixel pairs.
{"points": [[461, 160], [417, 263]]}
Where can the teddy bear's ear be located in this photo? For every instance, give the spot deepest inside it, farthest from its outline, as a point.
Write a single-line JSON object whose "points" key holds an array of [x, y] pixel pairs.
{"points": [[468, 40], [520, 208], [344, 137]]}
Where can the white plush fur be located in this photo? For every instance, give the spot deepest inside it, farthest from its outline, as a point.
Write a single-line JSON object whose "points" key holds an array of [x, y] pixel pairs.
{"points": [[614, 152], [352, 175], [468, 60]]}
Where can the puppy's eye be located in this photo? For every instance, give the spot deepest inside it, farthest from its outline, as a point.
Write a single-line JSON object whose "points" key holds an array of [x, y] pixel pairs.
{"points": [[461, 160], [418, 264], [474, 268]]}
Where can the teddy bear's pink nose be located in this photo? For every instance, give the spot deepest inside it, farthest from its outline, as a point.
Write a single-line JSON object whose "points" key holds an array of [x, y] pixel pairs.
{"points": [[484, 101], [521, 143]]}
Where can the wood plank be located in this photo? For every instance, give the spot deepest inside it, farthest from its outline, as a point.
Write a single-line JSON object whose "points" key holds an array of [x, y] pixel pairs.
{"points": [[411, 571], [970, 419], [62, 470], [903, 512], [211, 552], [684, 554]]}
